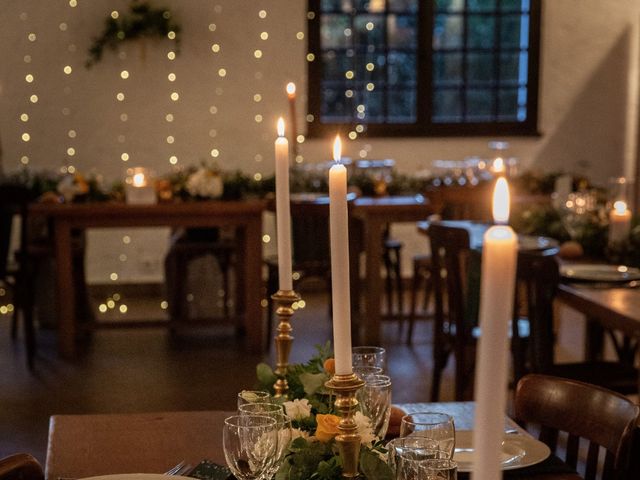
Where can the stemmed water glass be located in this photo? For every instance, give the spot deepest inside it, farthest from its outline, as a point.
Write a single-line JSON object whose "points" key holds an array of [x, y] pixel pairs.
{"points": [[435, 426], [250, 444], [253, 396], [374, 399], [283, 425], [369, 357]]}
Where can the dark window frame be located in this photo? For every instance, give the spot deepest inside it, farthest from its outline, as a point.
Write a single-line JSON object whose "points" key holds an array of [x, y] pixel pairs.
{"points": [[424, 127]]}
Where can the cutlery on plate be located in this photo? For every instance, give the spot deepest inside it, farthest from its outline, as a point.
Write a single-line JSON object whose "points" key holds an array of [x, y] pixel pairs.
{"points": [[179, 469]]}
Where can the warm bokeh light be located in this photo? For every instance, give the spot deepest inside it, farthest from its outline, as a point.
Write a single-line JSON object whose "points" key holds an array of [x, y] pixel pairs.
{"points": [[280, 127], [501, 201], [498, 165], [139, 180], [291, 89], [337, 149], [620, 206]]}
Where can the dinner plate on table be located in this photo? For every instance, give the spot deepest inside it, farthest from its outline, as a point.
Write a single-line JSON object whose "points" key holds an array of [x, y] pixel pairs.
{"points": [[137, 476], [599, 273], [518, 451]]}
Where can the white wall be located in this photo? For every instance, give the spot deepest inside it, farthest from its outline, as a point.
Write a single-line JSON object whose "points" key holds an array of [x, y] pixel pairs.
{"points": [[584, 107]]}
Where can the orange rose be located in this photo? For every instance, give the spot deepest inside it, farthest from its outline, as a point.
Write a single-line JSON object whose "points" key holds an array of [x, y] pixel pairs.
{"points": [[327, 427], [330, 366]]}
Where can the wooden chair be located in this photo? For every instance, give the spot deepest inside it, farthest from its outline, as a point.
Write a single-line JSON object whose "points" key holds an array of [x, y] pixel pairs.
{"points": [[310, 249], [453, 332], [456, 270], [454, 202], [603, 418], [14, 201], [20, 466], [186, 247], [538, 278], [421, 281]]}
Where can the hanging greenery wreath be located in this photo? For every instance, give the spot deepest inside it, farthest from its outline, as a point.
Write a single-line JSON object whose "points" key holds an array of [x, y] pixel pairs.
{"points": [[142, 21]]}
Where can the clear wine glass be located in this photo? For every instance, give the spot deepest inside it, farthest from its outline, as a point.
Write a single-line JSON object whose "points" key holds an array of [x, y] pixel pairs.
{"points": [[250, 445], [374, 399], [432, 425]]}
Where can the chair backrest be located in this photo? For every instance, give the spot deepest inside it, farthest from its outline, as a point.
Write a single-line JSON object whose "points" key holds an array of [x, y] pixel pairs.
{"points": [[453, 277], [20, 466], [464, 202], [604, 419], [14, 200], [537, 284], [310, 233]]}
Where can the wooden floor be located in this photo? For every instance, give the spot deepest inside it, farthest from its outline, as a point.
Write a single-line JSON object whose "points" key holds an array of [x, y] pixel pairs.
{"points": [[144, 370]]}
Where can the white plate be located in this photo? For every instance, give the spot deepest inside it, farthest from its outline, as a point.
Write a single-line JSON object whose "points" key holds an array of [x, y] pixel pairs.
{"points": [[600, 272], [518, 451], [137, 476]]}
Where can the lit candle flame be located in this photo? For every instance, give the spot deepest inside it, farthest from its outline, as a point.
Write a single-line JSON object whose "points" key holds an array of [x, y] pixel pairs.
{"points": [[501, 201], [498, 165], [280, 127], [337, 149], [138, 180], [620, 207], [291, 89]]}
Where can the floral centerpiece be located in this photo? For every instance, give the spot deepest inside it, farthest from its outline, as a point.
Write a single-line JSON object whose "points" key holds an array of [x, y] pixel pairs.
{"points": [[313, 453], [205, 182]]}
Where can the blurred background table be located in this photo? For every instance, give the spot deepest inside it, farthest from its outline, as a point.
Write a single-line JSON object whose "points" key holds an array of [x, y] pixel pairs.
{"points": [[245, 216]]}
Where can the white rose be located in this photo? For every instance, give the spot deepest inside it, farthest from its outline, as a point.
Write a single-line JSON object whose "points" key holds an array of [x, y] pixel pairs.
{"points": [[204, 183], [297, 433], [297, 409]]}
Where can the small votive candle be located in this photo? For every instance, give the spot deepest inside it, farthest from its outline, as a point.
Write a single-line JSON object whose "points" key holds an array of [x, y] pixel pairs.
{"points": [[619, 222], [139, 188]]}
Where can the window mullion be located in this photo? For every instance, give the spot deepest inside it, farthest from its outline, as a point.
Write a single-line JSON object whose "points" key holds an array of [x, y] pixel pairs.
{"points": [[496, 62], [465, 53]]}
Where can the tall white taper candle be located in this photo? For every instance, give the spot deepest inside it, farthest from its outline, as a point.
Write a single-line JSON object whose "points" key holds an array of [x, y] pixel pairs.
{"points": [[497, 288], [339, 231], [283, 210]]}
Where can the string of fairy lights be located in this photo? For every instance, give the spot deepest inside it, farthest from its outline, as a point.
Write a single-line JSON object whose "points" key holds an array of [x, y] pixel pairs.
{"points": [[71, 59]]}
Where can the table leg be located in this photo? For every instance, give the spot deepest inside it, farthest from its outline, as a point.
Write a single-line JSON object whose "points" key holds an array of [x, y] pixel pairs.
{"points": [[251, 277], [65, 297], [594, 340], [371, 317]]}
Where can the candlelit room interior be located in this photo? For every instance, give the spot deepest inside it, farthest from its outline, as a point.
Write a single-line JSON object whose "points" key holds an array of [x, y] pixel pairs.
{"points": [[320, 239]]}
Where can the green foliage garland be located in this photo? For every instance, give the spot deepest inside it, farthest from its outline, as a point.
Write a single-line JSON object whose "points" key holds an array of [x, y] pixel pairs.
{"points": [[143, 20]]}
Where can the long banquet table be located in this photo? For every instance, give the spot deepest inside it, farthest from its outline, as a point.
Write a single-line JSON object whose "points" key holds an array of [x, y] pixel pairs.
{"points": [[87, 445], [245, 216]]}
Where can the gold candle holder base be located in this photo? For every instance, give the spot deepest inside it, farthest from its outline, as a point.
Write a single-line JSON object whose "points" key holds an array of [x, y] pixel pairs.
{"points": [[285, 300], [348, 440]]}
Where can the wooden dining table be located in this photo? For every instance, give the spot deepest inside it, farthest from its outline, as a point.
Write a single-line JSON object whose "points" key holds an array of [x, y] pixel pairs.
{"points": [[245, 216], [88, 445], [607, 308]]}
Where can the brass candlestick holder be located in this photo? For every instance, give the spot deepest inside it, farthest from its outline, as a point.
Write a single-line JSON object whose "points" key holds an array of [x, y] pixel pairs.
{"points": [[348, 440], [285, 300]]}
